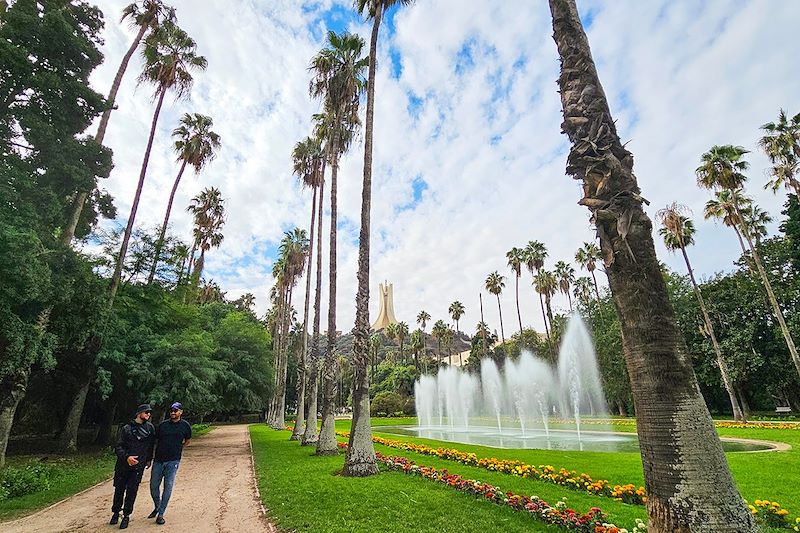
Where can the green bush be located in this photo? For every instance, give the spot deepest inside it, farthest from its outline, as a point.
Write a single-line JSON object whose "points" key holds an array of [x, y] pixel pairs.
{"points": [[15, 482], [386, 402]]}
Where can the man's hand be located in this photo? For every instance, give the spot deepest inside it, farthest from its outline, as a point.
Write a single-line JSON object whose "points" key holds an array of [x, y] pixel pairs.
{"points": [[132, 460]]}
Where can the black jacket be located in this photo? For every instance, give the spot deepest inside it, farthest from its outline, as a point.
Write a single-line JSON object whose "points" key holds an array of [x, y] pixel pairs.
{"points": [[137, 440]]}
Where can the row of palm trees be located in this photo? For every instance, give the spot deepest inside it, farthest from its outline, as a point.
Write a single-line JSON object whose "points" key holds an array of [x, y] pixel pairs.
{"points": [[722, 170]]}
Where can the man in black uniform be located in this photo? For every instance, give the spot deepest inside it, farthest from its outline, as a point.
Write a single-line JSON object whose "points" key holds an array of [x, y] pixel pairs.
{"points": [[134, 451], [171, 436]]}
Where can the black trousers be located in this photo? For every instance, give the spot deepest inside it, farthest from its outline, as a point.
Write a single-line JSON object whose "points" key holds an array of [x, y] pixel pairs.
{"points": [[126, 485]]}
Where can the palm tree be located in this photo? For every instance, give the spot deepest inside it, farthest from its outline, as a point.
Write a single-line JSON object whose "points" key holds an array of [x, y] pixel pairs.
{"points": [[374, 347], [724, 207], [307, 158], [338, 80], [583, 289], [587, 257], [546, 284], [535, 254], [144, 15], [422, 319], [756, 220], [781, 143], [401, 333], [169, 57], [417, 344], [456, 311], [689, 484], [208, 208], [360, 459], [722, 168], [447, 338], [495, 283], [678, 231], [516, 257], [565, 277], [438, 332], [196, 145]]}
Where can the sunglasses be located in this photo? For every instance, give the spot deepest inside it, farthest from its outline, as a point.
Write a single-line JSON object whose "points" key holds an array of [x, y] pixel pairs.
{"points": [[174, 410]]}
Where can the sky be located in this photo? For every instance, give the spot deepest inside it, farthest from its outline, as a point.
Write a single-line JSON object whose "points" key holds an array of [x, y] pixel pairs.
{"points": [[468, 155]]}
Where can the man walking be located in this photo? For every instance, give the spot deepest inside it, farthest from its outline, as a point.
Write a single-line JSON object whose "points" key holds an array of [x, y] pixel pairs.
{"points": [[134, 451], [171, 436]]}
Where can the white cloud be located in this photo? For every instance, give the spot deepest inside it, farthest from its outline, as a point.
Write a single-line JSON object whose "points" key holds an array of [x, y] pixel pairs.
{"points": [[483, 134]]}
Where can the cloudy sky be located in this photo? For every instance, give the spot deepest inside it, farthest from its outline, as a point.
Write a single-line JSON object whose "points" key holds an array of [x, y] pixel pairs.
{"points": [[468, 159]]}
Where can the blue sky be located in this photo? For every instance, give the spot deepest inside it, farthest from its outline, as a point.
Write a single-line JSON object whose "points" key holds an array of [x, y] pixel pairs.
{"points": [[469, 159]]}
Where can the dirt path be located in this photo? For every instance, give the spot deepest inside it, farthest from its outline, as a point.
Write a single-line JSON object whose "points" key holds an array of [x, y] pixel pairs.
{"points": [[214, 492]]}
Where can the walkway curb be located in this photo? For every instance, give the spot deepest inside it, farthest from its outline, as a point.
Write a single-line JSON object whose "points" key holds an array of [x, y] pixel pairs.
{"points": [[263, 509]]}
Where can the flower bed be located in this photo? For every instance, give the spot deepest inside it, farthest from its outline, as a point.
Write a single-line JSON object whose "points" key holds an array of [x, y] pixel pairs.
{"points": [[729, 424]]}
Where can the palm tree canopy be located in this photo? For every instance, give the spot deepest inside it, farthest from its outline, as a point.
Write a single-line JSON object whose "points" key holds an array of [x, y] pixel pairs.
{"points": [[422, 318], [755, 220], [535, 253], [495, 283], [307, 157], [723, 206], [583, 288], [587, 256], [677, 229], [565, 276], [516, 258], [294, 249], [150, 13], [401, 332], [545, 283], [456, 310], [781, 143], [208, 208], [195, 143], [169, 57], [723, 167], [367, 7]]}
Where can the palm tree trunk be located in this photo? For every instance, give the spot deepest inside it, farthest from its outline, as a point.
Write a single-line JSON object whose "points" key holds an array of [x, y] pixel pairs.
{"points": [[279, 409], [689, 485], [160, 241], [500, 310], [519, 316], [199, 265], [776, 309], [544, 317], [596, 289], [115, 279], [326, 444], [723, 366], [483, 329], [80, 198], [301, 365], [310, 433], [569, 299]]}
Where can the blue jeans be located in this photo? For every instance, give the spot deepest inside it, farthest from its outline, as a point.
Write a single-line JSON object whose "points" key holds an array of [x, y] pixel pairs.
{"points": [[166, 471]]}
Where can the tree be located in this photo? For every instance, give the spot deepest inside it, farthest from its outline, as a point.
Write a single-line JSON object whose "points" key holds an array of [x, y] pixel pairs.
{"points": [[495, 284], [416, 345], [208, 208], [438, 332], [546, 285], [401, 333], [722, 168], [535, 254], [565, 277], [781, 143], [170, 56], [677, 231], [374, 348], [583, 289], [422, 319], [689, 485], [338, 79], [516, 257], [196, 145], [456, 311], [723, 207], [587, 256], [144, 15]]}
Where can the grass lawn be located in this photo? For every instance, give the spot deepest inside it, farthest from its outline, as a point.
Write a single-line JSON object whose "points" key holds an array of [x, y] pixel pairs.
{"points": [[293, 481]]}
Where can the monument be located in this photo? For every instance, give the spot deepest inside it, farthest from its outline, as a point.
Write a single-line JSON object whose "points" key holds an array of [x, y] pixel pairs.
{"points": [[386, 311]]}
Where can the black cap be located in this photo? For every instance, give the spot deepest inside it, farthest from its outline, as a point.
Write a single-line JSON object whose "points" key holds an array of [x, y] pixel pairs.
{"points": [[144, 408]]}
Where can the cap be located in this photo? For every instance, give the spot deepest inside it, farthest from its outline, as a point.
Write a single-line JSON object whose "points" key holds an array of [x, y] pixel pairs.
{"points": [[176, 405], [144, 408]]}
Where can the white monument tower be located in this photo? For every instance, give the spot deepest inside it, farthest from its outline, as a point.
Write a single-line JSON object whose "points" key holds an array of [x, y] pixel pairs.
{"points": [[386, 312]]}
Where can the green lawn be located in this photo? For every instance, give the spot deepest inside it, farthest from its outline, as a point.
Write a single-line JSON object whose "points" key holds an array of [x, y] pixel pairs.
{"points": [[293, 481]]}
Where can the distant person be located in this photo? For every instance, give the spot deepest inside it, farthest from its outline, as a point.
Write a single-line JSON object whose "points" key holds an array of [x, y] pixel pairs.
{"points": [[134, 451], [171, 436]]}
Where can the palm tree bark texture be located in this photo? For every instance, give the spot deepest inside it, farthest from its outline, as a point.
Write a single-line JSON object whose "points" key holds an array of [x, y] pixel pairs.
{"points": [[688, 482]]}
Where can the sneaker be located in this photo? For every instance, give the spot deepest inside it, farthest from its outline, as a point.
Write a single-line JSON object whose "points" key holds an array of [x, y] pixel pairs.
{"points": [[114, 519], [153, 514], [160, 520], [124, 523]]}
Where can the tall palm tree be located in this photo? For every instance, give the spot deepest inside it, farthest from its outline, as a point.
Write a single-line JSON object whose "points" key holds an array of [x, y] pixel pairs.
{"points": [[565, 277], [456, 311], [583, 289], [438, 332], [417, 344], [722, 168], [587, 256], [781, 143], [678, 231], [307, 158], [689, 484], [374, 348], [196, 145], [756, 221], [208, 208], [170, 56], [401, 333], [422, 319], [495, 283], [535, 254], [724, 207], [516, 257], [338, 80], [546, 284], [144, 16]]}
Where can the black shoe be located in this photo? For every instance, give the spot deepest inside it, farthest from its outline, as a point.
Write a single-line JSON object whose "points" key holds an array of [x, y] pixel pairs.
{"points": [[114, 519], [124, 523], [160, 520], [153, 514]]}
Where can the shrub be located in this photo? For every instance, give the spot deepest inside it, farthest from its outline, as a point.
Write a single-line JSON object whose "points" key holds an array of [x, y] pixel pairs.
{"points": [[410, 408], [386, 402], [15, 482]]}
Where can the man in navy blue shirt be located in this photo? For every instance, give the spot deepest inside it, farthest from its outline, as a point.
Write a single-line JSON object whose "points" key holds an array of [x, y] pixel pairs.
{"points": [[171, 436]]}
